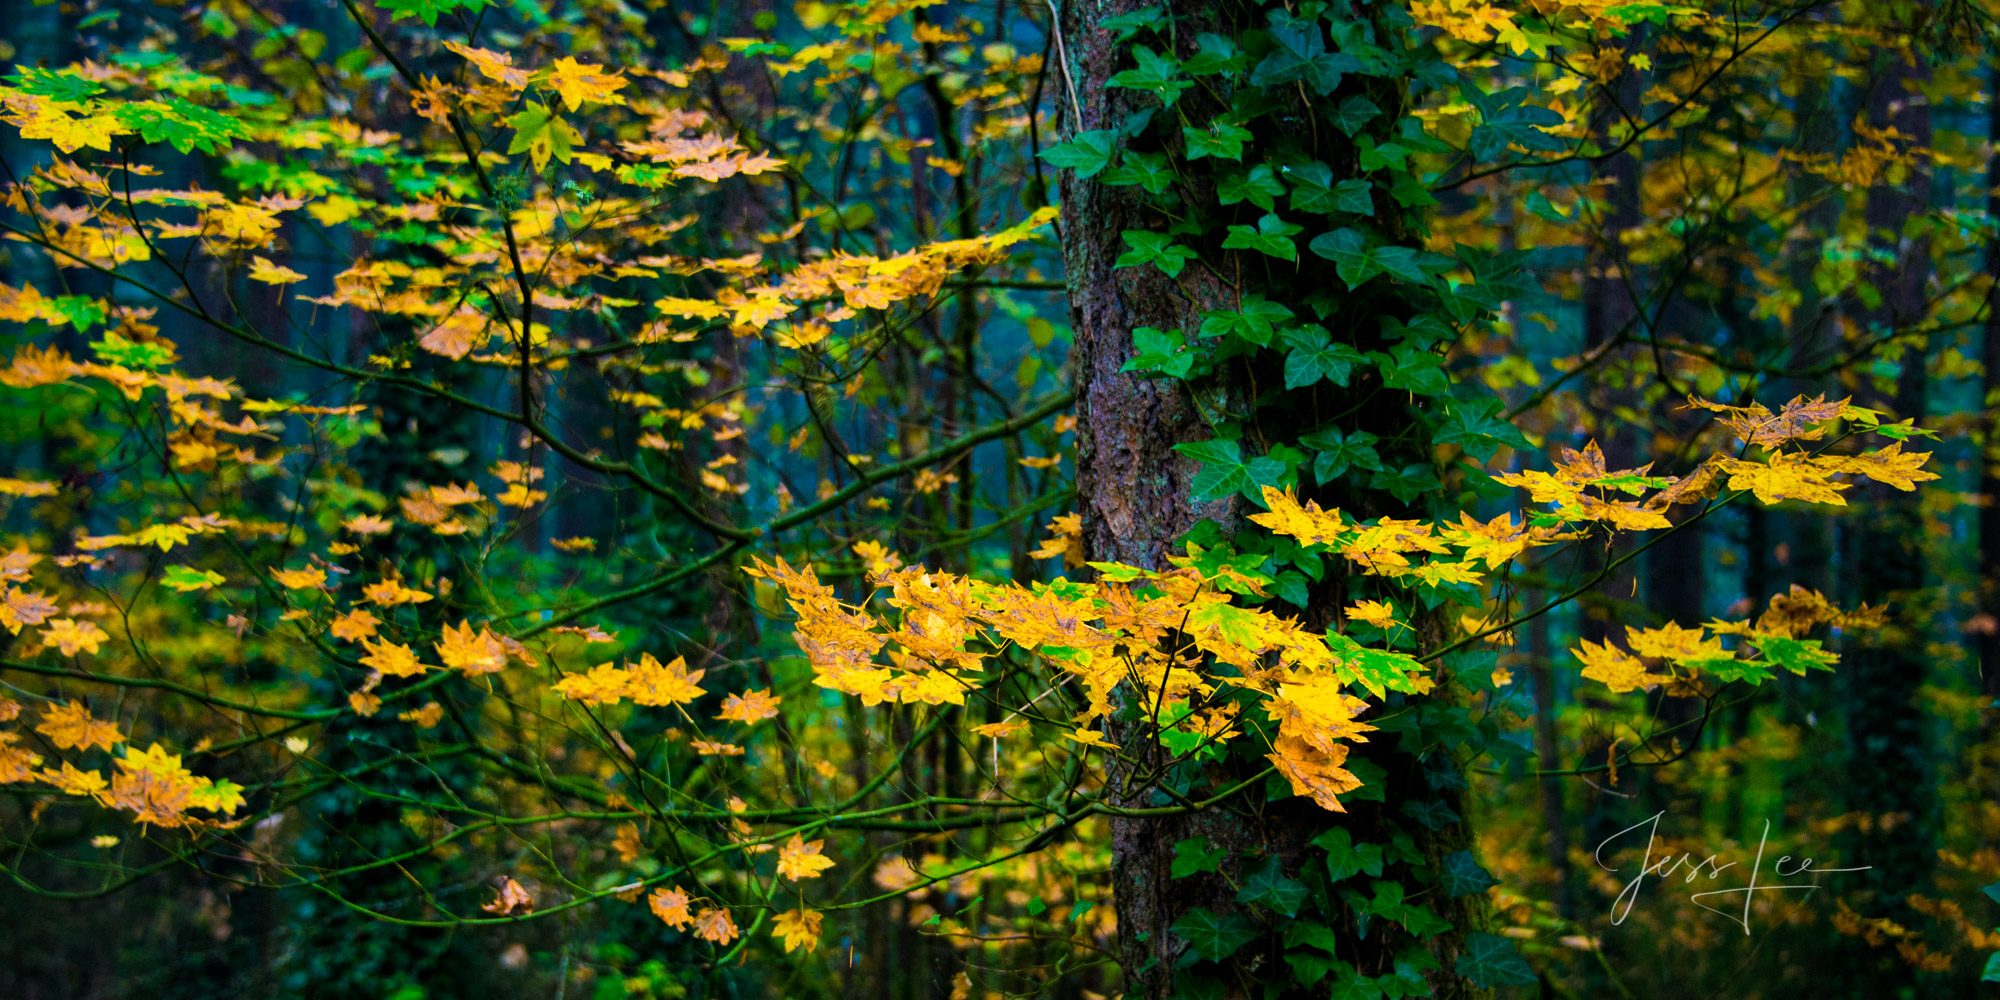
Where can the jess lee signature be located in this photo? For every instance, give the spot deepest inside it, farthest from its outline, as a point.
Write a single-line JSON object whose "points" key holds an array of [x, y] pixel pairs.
{"points": [[1670, 864]]}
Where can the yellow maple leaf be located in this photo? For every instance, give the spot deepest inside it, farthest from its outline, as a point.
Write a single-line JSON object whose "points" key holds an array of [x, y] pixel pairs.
{"points": [[1618, 670], [1375, 613], [262, 269], [389, 593], [604, 684], [392, 659], [356, 624], [1091, 738], [1308, 523], [797, 928], [512, 901], [800, 859], [1888, 465], [715, 925], [426, 717], [628, 843], [579, 83], [71, 725], [672, 684], [72, 636], [71, 134], [671, 906], [366, 524], [496, 66], [73, 781], [472, 654], [749, 707], [457, 334], [1000, 730], [310, 578]]}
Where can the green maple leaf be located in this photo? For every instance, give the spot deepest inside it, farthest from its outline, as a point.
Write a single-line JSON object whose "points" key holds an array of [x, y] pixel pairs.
{"points": [[427, 11], [542, 133], [187, 578]]}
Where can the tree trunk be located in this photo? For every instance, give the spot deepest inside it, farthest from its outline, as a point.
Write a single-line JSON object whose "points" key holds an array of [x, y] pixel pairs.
{"points": [[1134, 493]]}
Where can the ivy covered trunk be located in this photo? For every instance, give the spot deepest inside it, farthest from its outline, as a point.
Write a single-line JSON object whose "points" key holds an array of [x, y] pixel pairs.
{"points": [[1252, 309]]}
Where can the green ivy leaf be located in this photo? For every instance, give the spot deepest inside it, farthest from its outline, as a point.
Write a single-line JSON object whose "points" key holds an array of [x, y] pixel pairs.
{"points": [[1214, 937], [1477, 426], [1259, 186], [1463, 876], [1312, 933], [1310, 967], [1147, 170], [1354, 196], [1339, 451], [1314, 356], [1087, 153], [1301, 55], [1506, 121], [1490, 960], [1193, 857], [1273, 236], [1346, 859], [1220, 140], [1157, 249], [1155, 74], [1348, 250], [1412, 369], [1412, 264], [1433, 813], [1268, 887], [1312, 188], [1130, 23], [1255, 320], [1224, 471], [1407, 483], [1163, 351], [1214, 54], [1410, 191], [1353, 113], [1538, 204], [1992, 973]]}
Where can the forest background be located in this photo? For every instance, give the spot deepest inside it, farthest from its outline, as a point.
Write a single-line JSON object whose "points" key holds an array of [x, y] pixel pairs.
{"points": [[914, 498]]}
